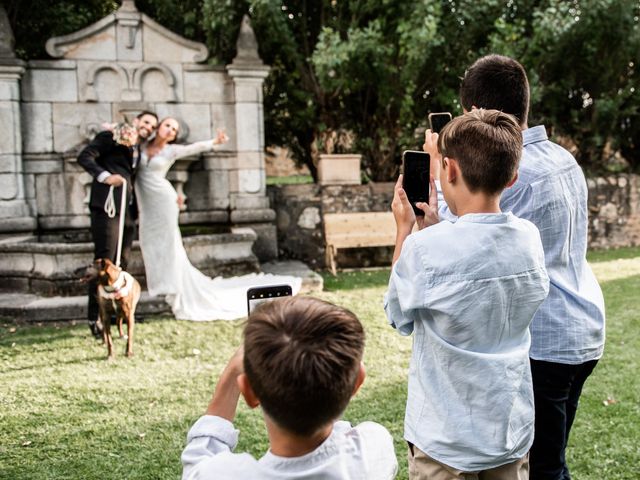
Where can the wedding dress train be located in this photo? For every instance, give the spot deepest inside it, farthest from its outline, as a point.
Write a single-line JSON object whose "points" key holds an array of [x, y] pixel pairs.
{"points": [[191, 294]]}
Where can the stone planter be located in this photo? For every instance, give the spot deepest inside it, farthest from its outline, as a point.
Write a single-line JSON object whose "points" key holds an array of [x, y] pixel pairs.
{"points": [[339, 169]]}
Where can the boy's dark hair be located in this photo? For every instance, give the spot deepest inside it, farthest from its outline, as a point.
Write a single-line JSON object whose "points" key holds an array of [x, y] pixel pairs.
{"points": [[302, 358], [146, 112], [487, 144], [499, 83]]}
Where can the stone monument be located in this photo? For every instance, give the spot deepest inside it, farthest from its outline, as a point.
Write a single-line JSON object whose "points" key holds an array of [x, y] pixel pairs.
{"points": [[15, 214], [106, 72], [111, 70]]}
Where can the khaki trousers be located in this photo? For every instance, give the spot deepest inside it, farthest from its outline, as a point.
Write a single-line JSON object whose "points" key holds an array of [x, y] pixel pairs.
{"points": [[423, 467]]}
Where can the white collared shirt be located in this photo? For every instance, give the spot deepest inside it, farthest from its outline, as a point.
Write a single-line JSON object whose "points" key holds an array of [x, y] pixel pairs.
{"points": [[364, 452]]}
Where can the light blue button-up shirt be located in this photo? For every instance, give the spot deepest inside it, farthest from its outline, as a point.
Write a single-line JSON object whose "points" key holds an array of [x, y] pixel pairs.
{"points": [[551, 192], [468, 291]]}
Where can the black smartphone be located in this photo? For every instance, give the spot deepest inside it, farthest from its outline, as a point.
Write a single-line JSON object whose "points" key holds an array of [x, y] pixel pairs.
{"points": [[258, 295], [415, 180], [437, 121]]}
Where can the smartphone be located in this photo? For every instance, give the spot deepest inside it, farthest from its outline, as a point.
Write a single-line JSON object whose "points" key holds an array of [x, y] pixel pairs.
{"points": [[258, 295], [415, 180], [437, 121]]}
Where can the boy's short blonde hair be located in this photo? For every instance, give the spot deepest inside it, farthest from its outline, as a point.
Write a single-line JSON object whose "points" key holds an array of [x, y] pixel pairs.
{"points": [[487, 144]]}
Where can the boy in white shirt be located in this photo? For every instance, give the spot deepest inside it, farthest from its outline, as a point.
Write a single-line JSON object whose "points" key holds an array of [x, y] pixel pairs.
{"points": [[302, 362], [468, 291]]}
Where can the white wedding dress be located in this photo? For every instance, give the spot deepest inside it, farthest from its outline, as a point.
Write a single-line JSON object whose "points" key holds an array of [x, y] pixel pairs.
{"points": [[191, 294]]}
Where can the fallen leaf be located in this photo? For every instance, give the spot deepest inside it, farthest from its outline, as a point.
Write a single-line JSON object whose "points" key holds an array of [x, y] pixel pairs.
{"points": [[141, 436], [196, 351], [12, 330], [13, 344], [609, 401], [27, 443]]}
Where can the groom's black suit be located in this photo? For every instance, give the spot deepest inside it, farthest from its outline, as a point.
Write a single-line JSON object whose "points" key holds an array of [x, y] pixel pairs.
{"points": [[103, 154]]}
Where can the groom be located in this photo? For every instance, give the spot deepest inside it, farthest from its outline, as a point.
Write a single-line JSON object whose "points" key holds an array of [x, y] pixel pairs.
{"points": [[110, 162]]}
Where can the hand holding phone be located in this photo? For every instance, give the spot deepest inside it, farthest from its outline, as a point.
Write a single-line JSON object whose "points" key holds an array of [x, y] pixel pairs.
{"points": [[415, 180], [258, 295], [437, 121]]}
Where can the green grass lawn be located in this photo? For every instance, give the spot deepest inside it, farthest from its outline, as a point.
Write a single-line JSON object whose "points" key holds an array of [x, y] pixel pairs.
{"points": [[66, 413]]}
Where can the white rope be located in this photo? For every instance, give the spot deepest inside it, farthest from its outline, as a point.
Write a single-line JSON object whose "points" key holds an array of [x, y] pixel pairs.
{"points": [[110, 204], [123, 211], [110, 210]]}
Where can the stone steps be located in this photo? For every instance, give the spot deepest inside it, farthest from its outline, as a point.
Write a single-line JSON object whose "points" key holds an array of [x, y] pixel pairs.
{"points": [[30, 308]]}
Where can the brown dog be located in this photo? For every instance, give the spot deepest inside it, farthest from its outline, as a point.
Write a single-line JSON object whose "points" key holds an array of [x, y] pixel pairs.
{"points": [[118, 294]]}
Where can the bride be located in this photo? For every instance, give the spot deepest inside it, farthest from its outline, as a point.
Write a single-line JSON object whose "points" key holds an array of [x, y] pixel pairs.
{"points": [[191, 294]]}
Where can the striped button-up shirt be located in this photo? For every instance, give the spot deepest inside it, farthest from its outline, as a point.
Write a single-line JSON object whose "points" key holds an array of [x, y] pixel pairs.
{"points": [[551, 192]]}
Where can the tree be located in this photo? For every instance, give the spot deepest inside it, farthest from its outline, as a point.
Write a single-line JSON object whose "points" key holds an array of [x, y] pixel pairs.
{"points": [[35, 21], [372, 67], [377, 67], [582, 59]]}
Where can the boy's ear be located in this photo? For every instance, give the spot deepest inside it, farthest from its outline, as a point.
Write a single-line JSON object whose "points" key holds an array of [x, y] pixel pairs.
{"points": [[249, 396], [452, 171], [513, 180], [359, 379]]}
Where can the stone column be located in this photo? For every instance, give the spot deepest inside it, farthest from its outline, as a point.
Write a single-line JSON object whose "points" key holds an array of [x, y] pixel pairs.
{"points": [[249, 203], [15, 216]]}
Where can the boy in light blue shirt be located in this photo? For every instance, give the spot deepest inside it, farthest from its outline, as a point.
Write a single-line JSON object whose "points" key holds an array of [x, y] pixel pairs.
{"points": [[468, 291]]}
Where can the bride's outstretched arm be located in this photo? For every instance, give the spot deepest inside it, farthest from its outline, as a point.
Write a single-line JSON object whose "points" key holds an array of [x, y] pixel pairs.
{"points": [[180, 151]]}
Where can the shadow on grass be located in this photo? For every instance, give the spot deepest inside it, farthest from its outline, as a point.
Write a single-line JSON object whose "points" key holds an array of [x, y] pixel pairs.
{"points": [[80, 360], [34, 335]]}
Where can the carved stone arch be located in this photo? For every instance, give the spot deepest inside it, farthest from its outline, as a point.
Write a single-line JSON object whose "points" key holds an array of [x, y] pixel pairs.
{"points": [[91, 94], [139, 74]]}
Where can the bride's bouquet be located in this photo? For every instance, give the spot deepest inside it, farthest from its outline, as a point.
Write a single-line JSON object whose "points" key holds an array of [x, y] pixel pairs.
{"points": [[124, 134]]}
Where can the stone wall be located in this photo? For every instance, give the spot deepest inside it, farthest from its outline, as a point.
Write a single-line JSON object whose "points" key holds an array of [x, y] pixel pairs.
{"points": [[299, 210], [614, 217], [108, 72], [614, 211]]}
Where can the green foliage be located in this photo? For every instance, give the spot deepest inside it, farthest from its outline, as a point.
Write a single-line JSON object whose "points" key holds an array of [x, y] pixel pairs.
{"points": [[35, 21], [582, 57], [377, 67], [183, 17]]}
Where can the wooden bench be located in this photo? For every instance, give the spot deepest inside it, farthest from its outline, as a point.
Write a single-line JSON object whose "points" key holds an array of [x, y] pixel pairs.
{"points": [[353, 230]]}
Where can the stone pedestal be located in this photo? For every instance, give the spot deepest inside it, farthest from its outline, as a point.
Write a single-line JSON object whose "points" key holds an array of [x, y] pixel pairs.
{"points": [[15, 215], [249, 204]]}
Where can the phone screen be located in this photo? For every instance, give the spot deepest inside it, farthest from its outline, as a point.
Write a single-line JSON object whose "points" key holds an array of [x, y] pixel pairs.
{"points": [[258, 295], [415, 180], [437, 121]]}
